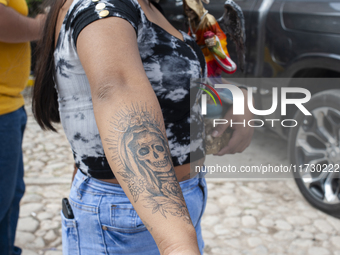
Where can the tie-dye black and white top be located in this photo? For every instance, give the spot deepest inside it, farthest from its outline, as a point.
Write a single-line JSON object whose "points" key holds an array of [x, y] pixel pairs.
{"points": [[169, 64]]}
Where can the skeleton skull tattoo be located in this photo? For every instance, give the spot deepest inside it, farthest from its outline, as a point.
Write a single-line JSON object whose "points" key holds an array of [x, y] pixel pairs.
{"points": [[141, 146], [151, 151]]}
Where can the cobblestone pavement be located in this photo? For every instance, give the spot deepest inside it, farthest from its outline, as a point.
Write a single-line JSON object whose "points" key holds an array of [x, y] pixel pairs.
{"points": [[242, 216]]}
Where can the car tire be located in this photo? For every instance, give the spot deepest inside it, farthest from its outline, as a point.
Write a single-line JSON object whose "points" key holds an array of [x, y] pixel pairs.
{"points": [[315, 141]]}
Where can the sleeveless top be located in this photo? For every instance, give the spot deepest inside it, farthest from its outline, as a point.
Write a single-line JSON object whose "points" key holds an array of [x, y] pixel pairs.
{"points": [[169, 63]]}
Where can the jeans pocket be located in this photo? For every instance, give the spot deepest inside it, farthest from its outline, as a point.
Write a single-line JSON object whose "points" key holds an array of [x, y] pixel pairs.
{"points": [[126, 229], [70, 238], [124, 218]]}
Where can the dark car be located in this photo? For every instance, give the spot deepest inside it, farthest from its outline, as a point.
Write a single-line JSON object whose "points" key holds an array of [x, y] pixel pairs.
{"points": [[294, 43]]}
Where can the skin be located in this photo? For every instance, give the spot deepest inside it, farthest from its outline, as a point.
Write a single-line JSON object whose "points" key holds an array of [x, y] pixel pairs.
{"points": [[116, 94], [17, 28]]}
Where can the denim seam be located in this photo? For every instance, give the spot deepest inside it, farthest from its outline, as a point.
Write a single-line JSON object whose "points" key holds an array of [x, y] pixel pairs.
{"points": [[114, 210], [189, 189], [125, 230], [112, 214], [72, 224], [100, 225], [77, 234], [204, 199], [94, 193], [102, 194], [84, 207]]}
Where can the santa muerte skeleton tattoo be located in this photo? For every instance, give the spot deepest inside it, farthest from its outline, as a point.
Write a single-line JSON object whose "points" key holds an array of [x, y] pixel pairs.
{"points": [[139, 143]]}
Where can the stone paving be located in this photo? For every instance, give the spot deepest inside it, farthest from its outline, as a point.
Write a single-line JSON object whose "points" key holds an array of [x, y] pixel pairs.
{"points": [[242, 216]]}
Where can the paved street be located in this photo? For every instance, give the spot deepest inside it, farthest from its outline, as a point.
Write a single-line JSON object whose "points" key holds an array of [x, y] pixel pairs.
{"points": [[243, 216]]}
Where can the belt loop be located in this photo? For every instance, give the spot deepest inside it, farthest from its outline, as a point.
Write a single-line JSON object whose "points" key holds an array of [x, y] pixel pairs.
{"points": [[202, 172], [79, 182]]}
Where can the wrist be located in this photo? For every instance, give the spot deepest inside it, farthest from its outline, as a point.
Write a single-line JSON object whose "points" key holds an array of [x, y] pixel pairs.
{"points": [[180, 245], [186, 252], [182, 250]]}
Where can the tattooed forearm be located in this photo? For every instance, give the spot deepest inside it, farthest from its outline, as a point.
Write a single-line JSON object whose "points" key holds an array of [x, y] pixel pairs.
{"points": [[138, 141]]}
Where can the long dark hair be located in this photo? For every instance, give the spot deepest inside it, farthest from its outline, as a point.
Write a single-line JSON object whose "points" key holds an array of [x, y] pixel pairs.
{"points": [[44, 102]]}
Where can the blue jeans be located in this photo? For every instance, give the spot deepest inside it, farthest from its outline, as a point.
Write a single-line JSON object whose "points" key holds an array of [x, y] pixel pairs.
{"points": [[105, 221], [12, 186]]}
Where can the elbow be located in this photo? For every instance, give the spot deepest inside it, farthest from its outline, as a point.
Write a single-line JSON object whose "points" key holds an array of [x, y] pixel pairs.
{"points": [[118, 82], [105, 92], [105, 88]]}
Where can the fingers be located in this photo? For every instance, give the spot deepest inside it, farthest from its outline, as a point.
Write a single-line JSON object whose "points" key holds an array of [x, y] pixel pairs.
{"points": [[219, 129], [239, 141], [241, 136], [234, 145], [246, 145]]}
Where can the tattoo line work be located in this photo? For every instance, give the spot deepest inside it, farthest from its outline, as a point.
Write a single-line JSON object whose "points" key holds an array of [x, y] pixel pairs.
{"points": [[139, 144]]}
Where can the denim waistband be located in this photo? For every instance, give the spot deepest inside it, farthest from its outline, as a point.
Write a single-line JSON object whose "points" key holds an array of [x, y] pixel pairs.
{"points": [[107, 187]]}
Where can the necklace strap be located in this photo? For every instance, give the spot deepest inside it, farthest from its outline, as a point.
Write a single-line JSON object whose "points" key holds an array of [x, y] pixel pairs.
{"points": [[201, 20]]}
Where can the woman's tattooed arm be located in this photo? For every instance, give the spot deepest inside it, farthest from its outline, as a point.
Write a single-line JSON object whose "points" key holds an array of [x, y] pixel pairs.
{"points": [[133, 134], [138, 141]]}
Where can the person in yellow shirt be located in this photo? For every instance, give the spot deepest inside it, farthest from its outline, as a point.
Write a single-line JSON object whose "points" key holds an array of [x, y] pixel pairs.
{"points": [[16, 30]]}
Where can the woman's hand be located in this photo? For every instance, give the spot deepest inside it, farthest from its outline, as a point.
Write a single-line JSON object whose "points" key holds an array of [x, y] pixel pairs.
{"points": [[242, 134]]}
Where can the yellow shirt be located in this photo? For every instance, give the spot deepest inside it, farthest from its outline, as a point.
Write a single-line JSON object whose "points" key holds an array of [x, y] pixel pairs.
{"points": [[15, 62]]}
